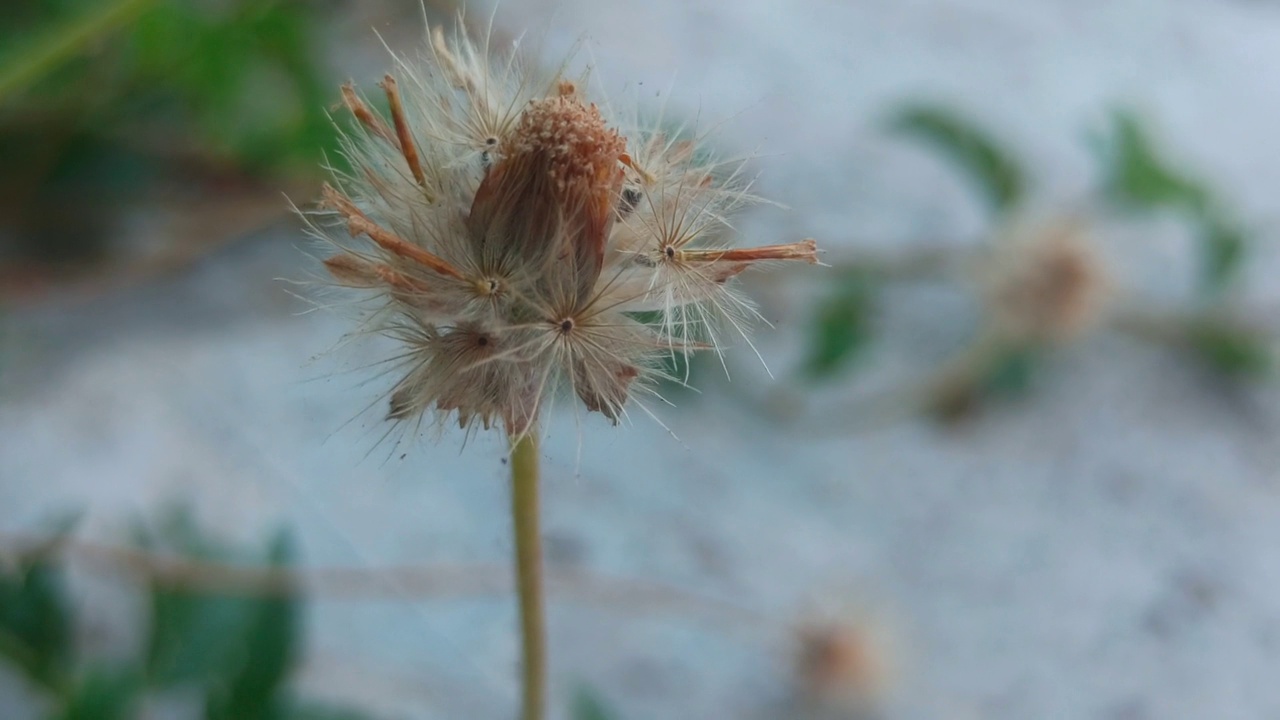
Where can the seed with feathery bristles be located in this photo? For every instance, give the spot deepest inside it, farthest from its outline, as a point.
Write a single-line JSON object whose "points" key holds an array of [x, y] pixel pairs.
{"points": [[524, 247]]}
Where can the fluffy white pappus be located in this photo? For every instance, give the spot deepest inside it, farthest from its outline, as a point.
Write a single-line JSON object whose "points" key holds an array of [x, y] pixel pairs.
{"points": [[523, 246]]}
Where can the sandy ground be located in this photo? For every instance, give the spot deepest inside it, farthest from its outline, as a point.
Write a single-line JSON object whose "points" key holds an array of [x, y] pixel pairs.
{"points": [[1103, 550]]}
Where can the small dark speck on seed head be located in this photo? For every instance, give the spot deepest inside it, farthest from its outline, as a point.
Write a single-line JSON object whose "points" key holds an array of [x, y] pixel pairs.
{"points": [[670, 252], [629, 199], [566, 325], [482, 341]]}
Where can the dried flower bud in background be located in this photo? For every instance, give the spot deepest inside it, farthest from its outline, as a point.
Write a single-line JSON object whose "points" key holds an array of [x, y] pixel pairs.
{"points": [[522, 245], [1044, 281], [843, 667]]}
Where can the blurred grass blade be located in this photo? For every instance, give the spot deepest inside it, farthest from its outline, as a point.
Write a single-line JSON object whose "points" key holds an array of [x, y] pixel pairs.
{"points": [[1138, 176], [26, 65], [841, 328], [990, 167]]}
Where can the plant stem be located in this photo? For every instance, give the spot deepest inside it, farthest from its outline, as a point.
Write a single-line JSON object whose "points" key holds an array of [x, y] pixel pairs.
{"points": [[528, 537]]}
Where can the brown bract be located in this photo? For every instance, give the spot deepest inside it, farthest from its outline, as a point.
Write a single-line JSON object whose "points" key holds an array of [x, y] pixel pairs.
{"points": [[549, 203]]}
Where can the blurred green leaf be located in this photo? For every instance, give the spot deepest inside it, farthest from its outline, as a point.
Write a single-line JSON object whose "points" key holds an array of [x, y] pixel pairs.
{"points": [[679, 373], [677, 370], [240, 649], [37, 54], [114, 100], [1012, 372], [989, 166], [1223, 246], [36, 624], [237, 651], [248, 77], [194, 636], [587, 705], [1232, 351], [841, 327], [269, 641], [1138, 176], [1000, 371], [103, 694]]}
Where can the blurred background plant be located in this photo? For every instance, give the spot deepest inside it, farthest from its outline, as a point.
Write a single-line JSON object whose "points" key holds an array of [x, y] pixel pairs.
{"points": [[1041, 275], [223, 630], [203, 652], [106, 106]]}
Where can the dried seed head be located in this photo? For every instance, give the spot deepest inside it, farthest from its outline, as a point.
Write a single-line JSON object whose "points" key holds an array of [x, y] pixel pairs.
{"points": [[837, 666], [522, 245], [844, 665], [1045, 282]]}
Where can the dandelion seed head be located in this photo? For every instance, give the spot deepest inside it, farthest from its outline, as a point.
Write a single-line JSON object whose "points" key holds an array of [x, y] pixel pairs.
{"points": [[523, 246]]}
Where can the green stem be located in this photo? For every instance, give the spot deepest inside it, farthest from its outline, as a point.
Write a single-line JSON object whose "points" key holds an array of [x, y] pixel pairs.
{"points": [[528, 537], [63, 43]]}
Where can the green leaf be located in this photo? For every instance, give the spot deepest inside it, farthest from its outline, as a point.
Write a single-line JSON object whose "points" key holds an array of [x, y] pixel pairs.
{"points": [[841, 328], [588, 706], [1012, 372], [44, 52], [677, 374], [676, 369], [103, 694], [239, 648], [36, 624], [270, 643], [1001, 371], [194, 637], [1139, 177], [1223, 246], [990, 167], [1232, 351]]}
